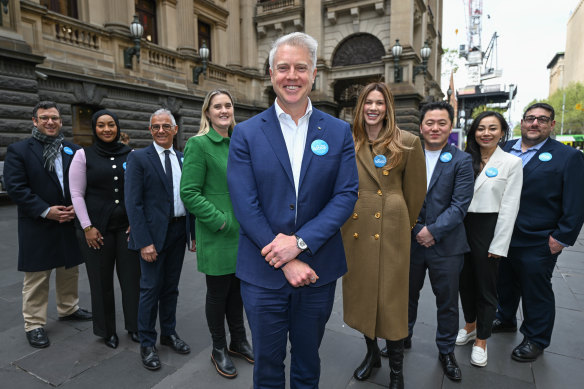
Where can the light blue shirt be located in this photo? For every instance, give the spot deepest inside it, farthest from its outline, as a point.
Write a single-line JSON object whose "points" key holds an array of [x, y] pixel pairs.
{"points": [[528, 154]]}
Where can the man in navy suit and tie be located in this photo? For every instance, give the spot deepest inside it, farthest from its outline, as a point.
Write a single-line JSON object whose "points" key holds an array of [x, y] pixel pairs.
{"points": [[37, 179], [438, 238], [159, 229], [550, 218], [293, 179]]}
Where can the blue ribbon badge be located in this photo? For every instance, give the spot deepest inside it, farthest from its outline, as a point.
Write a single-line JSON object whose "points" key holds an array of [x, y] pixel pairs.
{"points": [[68, 150], [319, 147], [446, 157], [545, 157], [380, 160], [124, 165], [492, 172]]}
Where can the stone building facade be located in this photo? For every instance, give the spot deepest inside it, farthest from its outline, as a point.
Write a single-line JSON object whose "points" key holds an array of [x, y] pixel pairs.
{"points": [[72, 52]]}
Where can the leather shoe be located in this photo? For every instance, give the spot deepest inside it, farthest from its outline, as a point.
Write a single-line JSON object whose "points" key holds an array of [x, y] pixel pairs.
{"points": [[176, 343], [241, 349], [112, 341], [450, 366], [222, 362], [79, 315], [134, 335], [407, 345], [38, 338], [527, 351], [150, 358], [499, 326]]}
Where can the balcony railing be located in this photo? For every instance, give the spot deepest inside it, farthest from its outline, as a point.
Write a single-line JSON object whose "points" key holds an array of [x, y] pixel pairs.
{"points": [[270, 5]]}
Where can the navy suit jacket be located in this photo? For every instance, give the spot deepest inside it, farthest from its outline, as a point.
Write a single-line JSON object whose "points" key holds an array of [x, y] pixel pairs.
{"points": [[43, 243], [552, 196], [148, 198], [259, 175], [447, 199]]}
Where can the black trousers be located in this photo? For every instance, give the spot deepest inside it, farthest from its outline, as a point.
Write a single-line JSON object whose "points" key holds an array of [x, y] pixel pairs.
{"points": [[444, 274], [478, 279], [224, 301], [100, 271]]}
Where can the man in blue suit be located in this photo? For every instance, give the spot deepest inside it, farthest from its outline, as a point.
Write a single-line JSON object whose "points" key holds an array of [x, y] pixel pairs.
{"points": [[159, 229], [293, 176], [550, 218], [37, 179], [438, 238]]}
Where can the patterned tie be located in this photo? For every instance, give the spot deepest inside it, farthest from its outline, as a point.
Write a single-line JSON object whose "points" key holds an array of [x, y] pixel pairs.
{"points": [[168, 170]]}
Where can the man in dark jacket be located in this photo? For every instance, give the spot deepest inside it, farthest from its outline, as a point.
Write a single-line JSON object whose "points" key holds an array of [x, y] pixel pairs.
{"points": [[36, 171]]}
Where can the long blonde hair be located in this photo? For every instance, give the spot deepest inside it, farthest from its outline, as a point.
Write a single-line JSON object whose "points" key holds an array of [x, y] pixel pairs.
{"points": [[389, 137], [205, 125]]}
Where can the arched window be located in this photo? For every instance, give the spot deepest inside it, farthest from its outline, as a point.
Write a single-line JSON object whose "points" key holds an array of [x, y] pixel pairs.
{"points": [[146, 10], [358, 49], [64, 7]]}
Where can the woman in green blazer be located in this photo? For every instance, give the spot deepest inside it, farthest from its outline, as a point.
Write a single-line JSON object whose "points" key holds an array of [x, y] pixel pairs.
{"points": [[204, 192]]}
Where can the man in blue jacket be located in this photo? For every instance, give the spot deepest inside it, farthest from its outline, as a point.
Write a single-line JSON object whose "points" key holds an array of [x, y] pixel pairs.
{"points": [[36, 171], [550, 218], [438, 238], [159, 229], [293, 178]]}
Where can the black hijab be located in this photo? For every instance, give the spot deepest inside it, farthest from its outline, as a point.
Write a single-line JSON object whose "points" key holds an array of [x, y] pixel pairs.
{"points": [[108, 149]]}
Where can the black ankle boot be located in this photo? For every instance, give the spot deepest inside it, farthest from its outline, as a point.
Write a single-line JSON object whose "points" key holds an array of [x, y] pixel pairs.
{"points": [[395, 350], [372, 359]]}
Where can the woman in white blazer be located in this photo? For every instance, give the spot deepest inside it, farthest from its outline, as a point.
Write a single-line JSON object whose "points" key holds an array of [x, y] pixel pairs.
{"points": [[489, 226]]}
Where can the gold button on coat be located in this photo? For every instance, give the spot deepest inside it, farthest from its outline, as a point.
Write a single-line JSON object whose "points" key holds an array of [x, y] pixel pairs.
{"points": [[377, 215], [386, 173], [355, 216], [355, 235], [376, 236], [379, 192]]}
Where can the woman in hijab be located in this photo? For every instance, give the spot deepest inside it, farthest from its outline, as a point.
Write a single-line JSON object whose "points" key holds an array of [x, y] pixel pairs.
{"points": [[96, 179]]}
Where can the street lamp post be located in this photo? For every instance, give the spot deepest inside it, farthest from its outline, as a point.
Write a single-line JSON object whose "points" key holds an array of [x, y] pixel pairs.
{"points": [[425, 53], [397, 50], [136, 31], [204, 54]]}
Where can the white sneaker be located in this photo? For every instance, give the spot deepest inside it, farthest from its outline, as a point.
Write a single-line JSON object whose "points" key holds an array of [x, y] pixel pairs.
{"points": [[478, 357], [464, 337]]}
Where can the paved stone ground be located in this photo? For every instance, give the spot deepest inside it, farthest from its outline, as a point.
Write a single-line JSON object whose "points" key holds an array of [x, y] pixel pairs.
{"points": [[78, 359]]}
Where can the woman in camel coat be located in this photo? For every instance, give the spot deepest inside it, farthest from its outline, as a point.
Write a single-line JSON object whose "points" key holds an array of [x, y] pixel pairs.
{"points": [[392, 186]]}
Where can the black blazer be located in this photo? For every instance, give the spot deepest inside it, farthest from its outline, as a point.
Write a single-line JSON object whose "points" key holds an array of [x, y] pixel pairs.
{"points": [[43, 244], [552, 196]]}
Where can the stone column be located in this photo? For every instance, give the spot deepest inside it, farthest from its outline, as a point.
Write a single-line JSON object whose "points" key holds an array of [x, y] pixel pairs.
{"points": [[248, 39], [186, 27], [234, 34], [166, 23], [119, 15], [313, 24]]}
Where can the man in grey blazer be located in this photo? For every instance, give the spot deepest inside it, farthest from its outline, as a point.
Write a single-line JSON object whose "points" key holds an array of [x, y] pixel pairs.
{"points": [[438, 238]]}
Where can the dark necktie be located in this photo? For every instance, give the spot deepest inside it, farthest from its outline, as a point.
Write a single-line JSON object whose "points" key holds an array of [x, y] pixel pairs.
{"points": [[168, 169]]}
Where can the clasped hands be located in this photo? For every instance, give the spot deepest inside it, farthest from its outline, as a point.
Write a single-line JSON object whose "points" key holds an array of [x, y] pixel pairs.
{"points": [[282, 253], [61, 213]]}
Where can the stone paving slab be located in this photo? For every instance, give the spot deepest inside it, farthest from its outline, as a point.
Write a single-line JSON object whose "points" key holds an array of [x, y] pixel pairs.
{"points": [[78, 359]]}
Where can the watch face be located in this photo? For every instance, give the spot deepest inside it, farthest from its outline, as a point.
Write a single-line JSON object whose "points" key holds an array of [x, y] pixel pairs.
{"points": [[301, 244]]}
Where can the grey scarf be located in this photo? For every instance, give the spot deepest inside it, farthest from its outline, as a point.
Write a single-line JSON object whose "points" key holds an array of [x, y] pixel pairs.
{"points": [[51, 147]]}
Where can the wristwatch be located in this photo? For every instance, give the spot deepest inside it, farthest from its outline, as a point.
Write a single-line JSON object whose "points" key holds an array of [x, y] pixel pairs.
{"points": [[300, 243], [89, 227]]}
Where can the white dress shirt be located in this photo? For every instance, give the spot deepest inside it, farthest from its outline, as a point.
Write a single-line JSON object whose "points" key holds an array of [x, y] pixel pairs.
{"points": [[295, 138], [179, 208]]}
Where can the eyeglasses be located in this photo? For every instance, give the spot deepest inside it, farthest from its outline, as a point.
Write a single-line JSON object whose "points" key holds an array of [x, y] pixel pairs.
{"points": [[45, 119], [165, 127], [540, 119]]}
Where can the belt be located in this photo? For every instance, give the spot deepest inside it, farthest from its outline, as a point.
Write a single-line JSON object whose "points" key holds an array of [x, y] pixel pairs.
{"points": [[176, 219]]}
